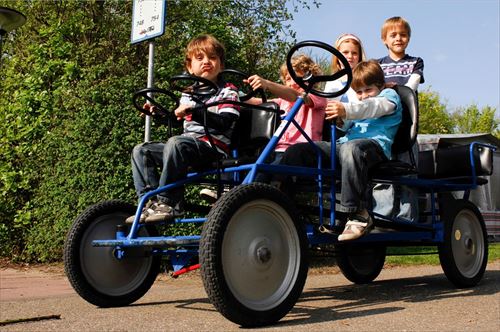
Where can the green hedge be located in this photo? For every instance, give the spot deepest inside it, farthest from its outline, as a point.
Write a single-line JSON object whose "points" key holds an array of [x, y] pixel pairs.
{"points": [[66, 116]]}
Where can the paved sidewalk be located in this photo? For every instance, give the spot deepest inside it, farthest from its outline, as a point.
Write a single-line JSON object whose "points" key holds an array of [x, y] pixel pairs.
{"points": [[32, 283], [413, 298]]}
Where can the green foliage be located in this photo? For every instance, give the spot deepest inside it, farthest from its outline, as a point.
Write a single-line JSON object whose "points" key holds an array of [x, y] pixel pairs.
{"points": [[472, 120], [436, 119], [66, 118], [68, 136], [433, 117]]}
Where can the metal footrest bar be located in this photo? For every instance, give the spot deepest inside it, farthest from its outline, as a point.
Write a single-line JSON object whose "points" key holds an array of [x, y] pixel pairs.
{"points": [[148, 241]]}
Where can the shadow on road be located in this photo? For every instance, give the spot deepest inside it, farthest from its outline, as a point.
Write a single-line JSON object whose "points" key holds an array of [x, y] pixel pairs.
{"points": [[192, 304], [363, 300], [352, 301]]}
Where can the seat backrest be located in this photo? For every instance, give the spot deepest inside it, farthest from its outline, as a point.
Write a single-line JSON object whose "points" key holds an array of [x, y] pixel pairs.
{"points": [[408, 129], [255, 127]]}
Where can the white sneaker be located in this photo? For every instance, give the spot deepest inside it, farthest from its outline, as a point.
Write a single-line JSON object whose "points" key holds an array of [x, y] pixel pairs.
{"points": [[356, 227], [160, 212], [210, 195], [144, 214]]}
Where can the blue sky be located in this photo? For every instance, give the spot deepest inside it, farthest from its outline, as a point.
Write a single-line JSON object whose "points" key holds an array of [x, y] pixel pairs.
{"points": [[458, 40]]}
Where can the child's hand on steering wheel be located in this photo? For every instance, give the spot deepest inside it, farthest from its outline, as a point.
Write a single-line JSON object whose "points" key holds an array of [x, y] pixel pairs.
{"points": [[151, 108], [334, 109], [256, 82], [183, 112], [148, 107]]}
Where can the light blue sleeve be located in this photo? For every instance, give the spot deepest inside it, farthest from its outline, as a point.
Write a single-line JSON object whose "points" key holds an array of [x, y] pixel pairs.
{"points": [[393, 97]]}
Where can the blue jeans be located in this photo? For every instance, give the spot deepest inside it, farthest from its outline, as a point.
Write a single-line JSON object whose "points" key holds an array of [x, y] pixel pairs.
{"points": [[354, 160], [273, 159], [174, 158], [397, 200]]}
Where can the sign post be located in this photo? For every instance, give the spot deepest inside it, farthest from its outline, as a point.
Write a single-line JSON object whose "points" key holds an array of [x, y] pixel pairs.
{"points": [[148, 22]]}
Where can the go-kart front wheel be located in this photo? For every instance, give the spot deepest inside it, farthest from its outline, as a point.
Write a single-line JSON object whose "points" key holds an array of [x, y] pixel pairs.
{"points": [[253, 255], [94, 272]]}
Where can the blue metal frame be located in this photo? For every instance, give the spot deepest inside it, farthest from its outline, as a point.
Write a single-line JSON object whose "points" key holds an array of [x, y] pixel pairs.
{"points": [[419, 234]]}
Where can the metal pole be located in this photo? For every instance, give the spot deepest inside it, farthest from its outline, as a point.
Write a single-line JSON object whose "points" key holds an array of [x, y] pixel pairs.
{"points": [[1, 49], [147, 128]]}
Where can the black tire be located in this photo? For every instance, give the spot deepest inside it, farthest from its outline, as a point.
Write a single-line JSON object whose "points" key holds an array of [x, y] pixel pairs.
{"points": [[95, 274], [360, 264], [253, 255], [464, 251]]}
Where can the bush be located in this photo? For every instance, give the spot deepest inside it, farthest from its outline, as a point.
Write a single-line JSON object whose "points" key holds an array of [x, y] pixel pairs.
{"points": [[66, 116]]}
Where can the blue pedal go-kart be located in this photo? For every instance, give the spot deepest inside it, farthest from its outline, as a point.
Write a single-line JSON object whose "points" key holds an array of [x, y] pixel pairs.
{"points": [[255, 239]]}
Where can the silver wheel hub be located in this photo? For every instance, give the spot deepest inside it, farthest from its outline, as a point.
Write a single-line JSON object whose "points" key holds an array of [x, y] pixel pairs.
{"points": [[467, 246], [261, 255]]}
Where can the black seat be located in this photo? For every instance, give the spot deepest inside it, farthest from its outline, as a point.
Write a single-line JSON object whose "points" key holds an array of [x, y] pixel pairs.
{"points": [[253, 130], [457, 163], [255, 127], [405, 138]]}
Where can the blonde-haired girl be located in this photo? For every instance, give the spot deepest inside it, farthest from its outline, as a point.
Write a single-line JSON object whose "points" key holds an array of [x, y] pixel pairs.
{"points": [[352, 49]]}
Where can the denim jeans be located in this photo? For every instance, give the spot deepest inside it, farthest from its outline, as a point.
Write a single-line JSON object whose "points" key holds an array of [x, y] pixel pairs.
{"points": [[354, 160], [397, 200], [273, 159], [174, 158]]}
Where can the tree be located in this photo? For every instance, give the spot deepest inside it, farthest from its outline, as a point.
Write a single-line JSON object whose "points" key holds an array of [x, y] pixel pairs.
{"points": [[66, 117], [472, 120], [433, 117]]}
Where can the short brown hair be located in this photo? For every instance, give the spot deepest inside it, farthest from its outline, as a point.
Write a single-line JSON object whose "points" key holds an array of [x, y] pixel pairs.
{"points": [[204, 43], [394, 21], [301, 63], [368, 73]]}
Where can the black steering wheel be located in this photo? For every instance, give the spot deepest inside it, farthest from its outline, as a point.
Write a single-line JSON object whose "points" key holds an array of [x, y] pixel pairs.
{"points": [[152, 95], [309, 81], [236, 77], [196, 86]]}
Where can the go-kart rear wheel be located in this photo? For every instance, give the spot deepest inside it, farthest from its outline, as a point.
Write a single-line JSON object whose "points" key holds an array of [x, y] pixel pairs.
{"points": [[253, 255], [360, 263], [94, 272], [464, 251]]}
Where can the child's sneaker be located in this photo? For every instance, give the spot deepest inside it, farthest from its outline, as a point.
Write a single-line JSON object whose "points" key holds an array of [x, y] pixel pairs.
{"points": [[144, 214], [210, 195], [160, 212], [130, 219], [356, 227]]}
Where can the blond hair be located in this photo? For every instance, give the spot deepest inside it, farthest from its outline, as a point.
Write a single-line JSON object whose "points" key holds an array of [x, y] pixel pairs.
{"points": [[207, 44], [368, 73], [393, 22], [347, 38], [301, 64]]}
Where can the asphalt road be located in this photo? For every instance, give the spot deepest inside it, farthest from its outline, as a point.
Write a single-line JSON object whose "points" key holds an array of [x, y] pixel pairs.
{"points": [[416, 298]]}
